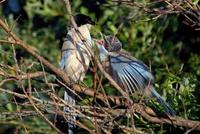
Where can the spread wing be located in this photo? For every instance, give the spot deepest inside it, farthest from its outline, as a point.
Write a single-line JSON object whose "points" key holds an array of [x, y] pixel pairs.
{"points": [[130, 73]]}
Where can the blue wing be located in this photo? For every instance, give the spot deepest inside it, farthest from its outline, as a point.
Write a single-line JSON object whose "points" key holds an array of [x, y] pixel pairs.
{"points": [[131, 74]]}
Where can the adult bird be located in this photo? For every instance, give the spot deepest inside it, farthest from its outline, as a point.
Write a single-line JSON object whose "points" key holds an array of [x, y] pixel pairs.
{"points": [[131, 74], [75, 59]]}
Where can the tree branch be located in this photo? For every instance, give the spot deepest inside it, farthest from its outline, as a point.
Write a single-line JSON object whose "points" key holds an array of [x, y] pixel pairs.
{"points": [[140, 109]]}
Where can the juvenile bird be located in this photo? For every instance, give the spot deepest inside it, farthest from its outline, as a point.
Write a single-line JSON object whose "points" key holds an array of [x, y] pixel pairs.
{"points": [[75, 58], [131, 74]]}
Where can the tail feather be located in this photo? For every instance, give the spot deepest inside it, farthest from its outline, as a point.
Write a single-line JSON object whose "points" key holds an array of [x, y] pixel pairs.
{"points": [[168, 110], [70, 98]]}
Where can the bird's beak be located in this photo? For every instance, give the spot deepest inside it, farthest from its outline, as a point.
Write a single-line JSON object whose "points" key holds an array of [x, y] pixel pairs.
{"points": [[99, 42], [92, 22]]}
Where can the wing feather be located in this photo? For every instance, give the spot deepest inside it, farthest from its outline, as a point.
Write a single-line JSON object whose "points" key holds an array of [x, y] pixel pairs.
{"points": [[138, 76], [124, 82], [136, 84], [145, 74], [132, 74], [131, 80], [127, 80]]}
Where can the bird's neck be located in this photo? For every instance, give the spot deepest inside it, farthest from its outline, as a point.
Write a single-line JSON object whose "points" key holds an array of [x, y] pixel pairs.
{"points": [[103, 53]]}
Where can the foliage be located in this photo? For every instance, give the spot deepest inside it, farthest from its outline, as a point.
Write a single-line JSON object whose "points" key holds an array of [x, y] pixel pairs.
{"points": [[160, 42]]}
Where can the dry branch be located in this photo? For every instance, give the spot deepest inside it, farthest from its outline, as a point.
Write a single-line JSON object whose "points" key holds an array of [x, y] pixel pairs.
{"points": [[144, 111], [186, 8]]}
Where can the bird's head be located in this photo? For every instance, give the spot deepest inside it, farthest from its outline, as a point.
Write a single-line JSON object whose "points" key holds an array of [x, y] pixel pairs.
{"points": [[110, 43], [82, 19]]}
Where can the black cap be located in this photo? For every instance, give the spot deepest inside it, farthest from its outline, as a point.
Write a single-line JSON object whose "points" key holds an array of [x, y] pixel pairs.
{"points": [[82, 19]]}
